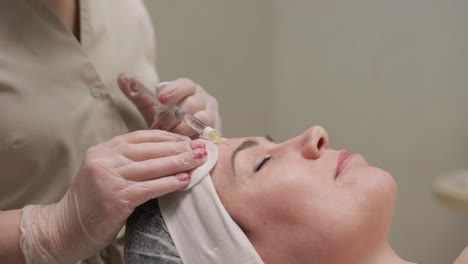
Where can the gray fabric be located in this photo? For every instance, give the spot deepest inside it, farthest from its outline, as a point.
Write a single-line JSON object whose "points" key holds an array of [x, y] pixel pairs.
{"points": [[147, 239]]}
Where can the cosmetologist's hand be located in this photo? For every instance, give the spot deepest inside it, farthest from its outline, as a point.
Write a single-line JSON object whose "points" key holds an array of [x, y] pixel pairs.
{"points": [[115, 177], [183, 92]]}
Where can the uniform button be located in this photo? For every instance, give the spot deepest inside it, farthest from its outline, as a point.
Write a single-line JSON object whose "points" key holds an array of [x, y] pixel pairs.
{"points": [[95, 92]]}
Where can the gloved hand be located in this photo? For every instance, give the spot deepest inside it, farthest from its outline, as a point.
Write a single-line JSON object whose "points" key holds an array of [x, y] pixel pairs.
{"points": [[115, 177], [184, 93]]}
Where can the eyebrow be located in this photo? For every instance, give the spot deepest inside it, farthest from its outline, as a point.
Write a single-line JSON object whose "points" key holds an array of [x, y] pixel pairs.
{"points": [[248, 143]]}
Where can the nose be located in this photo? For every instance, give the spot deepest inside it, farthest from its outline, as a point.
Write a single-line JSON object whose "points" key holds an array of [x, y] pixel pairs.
{"points": [[314, 142]]}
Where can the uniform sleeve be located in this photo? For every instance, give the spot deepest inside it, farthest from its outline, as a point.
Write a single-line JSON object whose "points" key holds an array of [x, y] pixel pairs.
{"points": [[147, 237]]}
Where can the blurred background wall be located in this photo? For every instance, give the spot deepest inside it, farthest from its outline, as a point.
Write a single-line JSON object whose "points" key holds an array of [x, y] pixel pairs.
{"points": [[388, 79]]}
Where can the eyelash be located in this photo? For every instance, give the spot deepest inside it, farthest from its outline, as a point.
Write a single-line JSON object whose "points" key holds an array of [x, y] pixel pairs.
{"points": [[261, 163]]}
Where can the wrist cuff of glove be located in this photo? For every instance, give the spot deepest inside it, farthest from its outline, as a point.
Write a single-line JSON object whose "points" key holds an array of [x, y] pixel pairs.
{"points": [[38, 231]]}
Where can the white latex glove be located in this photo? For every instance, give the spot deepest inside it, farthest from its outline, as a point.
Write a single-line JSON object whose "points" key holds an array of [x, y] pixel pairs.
{"points": [[115, 177], [183, 92]]}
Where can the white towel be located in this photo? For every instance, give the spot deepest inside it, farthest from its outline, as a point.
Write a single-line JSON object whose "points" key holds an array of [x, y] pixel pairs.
{"points": [[201, 228]]}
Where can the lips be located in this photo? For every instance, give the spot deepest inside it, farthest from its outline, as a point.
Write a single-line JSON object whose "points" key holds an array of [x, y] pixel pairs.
{"points": [[343, 157]]}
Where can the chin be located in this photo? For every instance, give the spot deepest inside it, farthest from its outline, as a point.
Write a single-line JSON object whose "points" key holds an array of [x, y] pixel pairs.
{"points": [[375, 191], [384, 180], [383, 189], [378, 205]]}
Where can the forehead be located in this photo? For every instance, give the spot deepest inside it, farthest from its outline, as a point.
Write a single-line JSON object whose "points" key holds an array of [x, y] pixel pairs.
{"points": [[233, 143], [227, 147], [231, 147], [230, 144], [226, 150]]}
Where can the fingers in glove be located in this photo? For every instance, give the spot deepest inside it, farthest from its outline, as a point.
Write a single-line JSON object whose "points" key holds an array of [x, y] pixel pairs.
{"points": [[167, 121], [183, 129], [194, 103], [159, 167], [146, 151], [139, 95], [172, 93], [148, 190], [202, 106], [191, 104], [142, 136]]}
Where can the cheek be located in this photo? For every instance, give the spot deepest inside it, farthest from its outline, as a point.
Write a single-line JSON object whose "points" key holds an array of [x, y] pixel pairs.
{"points": [[362, 203], [284, 193], [360, 208]]}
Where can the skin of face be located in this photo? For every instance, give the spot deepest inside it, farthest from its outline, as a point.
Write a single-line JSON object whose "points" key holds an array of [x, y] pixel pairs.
{"points": [[295, 208]]}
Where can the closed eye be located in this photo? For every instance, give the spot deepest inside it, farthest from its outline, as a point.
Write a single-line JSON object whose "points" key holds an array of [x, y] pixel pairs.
{"points": [[261, 163]]}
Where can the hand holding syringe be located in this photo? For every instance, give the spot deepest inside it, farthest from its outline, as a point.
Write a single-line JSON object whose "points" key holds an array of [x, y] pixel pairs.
{"points": [[181, 93], [197, 125]]}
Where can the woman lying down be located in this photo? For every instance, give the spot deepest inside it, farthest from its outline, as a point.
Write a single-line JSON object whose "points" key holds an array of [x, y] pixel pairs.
{"points": [[255, 201]]}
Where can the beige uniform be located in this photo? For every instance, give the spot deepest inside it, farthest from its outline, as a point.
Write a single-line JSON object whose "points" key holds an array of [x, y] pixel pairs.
{"points": [[59, 96]]}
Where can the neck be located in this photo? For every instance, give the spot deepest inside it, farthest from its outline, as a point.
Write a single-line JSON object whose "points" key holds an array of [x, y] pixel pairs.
{"points": [[274, 253], [67, 11]]}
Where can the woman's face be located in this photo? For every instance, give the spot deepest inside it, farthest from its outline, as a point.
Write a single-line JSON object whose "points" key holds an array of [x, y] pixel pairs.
{"points": [[300, 193]]}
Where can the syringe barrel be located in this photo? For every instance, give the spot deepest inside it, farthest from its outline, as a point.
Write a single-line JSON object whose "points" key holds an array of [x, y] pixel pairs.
{"points": [[189, 120]]}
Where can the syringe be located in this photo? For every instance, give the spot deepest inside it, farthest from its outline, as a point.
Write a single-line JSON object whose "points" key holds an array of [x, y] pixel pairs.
{"points": [[197, 125]]}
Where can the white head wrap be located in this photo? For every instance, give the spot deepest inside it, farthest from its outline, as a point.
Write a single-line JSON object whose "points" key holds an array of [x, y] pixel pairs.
{"points": [[201, 228]]}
